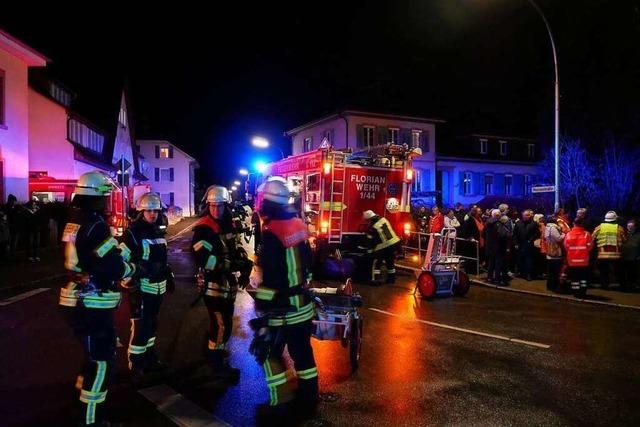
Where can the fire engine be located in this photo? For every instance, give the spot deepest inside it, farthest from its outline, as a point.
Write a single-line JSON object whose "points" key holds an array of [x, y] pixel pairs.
{"points": [[48, 188], [334, 187]]}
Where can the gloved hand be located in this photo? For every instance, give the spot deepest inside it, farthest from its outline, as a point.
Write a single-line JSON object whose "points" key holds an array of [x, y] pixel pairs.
{"points": [[171, 280], [129, 284], [199, 278], [261, 344]]}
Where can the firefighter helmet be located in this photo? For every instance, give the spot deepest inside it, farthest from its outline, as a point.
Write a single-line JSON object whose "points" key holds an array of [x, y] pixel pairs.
{"points": [[277, 192], [149, 202], [95, 184], [217, 194], [368, 214]]}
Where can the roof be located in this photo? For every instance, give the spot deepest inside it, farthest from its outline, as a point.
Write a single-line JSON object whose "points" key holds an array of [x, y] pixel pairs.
{"points": [[345, 113], [32, 57], [508, 138], [164, 141]]}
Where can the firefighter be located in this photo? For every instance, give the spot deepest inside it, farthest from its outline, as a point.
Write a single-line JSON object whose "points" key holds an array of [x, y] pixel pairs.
{"points": [[609, 237], [144, 244], [286, 263], [578, 243], [94, 264], [213, 247], [382, 245]]}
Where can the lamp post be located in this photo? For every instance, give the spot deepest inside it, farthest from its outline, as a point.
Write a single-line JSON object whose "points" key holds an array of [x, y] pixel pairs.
{"points": [[557, 107], [260, 142]]}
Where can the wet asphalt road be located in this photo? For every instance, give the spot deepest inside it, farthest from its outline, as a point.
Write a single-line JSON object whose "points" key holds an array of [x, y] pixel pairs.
{"points": [[411, 373]]}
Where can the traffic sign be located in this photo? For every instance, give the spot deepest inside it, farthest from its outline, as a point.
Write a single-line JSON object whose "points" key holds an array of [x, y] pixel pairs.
{"points": [[544, 189]]}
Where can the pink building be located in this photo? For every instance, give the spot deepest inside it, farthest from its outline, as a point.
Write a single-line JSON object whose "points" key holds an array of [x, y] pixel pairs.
{"points": [[15, 60]]}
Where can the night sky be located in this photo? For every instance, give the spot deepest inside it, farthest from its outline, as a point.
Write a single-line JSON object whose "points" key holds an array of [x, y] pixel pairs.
{"points": [[208, 80]]}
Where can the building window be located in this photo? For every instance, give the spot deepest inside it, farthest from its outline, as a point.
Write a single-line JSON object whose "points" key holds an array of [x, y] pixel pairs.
{"points": [[417, 185], [81, 134], [328, 134], [508, 185], [466, 183], [166, 175], [527, 185], [164, 152], [503, 148], [307, 144], [167, 198], [394, 134], [531, 150], [368, 136], [415, 138], [488, 184], [484, 146], [2, 118], [122, 117], [59, 94]]}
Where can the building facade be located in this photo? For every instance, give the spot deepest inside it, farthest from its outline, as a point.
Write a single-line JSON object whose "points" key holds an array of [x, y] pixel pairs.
{"points": [[360, 131], [15, 60], [478, 166], [171, 173]]}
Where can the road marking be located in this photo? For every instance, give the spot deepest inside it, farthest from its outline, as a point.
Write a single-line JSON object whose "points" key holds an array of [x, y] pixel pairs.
{"points": [[467, 331], [179, 409], [22, 296], [181, 232]]}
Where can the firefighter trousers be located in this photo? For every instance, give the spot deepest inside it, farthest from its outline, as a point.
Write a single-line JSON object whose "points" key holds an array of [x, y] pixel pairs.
{"points": [[144, 309], [297, 339], [388, 257], [220, 311], [95, 329]]}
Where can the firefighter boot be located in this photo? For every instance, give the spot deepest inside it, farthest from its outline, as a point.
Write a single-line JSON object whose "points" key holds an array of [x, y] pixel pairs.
{"points": [[220, 368], [152, 363]]}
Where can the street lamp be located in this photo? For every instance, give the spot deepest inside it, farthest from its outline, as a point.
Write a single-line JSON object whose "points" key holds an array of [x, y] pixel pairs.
{"points": [[243, 172], [236, 182], [557, 107], [234, 188], [260, 142]]}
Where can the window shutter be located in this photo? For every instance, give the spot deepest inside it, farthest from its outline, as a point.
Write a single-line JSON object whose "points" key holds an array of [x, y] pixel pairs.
{"points": [[477, 181], [171, 152], [405, 136], [157, 152], [461, 184], [360, 136], [518, 185], [383, 136], [157, 173], [171, 174], [424, 141], [171, 197], [498, 184]]}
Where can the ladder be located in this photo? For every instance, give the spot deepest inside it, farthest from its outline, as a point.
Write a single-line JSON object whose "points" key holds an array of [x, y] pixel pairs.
{"points": [[336, 197]]}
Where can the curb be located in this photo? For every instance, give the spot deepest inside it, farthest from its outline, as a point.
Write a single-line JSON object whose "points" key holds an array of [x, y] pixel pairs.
{"points": [[34, 282], [560, 297]]}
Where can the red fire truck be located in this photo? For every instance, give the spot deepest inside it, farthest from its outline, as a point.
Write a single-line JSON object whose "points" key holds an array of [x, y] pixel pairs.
{"points": [[50, 189], [336, 187]]}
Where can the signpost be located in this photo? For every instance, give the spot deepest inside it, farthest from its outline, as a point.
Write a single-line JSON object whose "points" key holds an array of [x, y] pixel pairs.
{"points": [[544, 189]]}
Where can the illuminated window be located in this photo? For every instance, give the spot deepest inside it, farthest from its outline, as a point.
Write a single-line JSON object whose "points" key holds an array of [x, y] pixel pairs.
{"points": [[488, 184], [503, 148], [122, 117], [164, 152], [307, 144], [415, 138], [508, 185], [466, 183], [368, 136], [393, 135], [483, 146], [531, 150]]}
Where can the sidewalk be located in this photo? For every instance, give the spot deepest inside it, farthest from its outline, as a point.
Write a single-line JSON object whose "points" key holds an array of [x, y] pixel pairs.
{"points": [[611, 297], [50, 270]]}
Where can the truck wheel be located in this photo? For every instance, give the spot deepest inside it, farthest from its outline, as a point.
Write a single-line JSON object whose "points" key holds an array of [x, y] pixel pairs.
{"points": [[427, 285], [355, 343], [463, 285]]}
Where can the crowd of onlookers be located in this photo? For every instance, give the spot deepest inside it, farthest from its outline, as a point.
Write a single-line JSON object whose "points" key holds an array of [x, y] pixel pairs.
{"points": [[575, 250], [25, 228]]}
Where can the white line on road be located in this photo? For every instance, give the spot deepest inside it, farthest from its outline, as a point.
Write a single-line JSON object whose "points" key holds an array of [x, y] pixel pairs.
{"points": [[179, 409], [181, 232], [22, 296], [467, 331]]}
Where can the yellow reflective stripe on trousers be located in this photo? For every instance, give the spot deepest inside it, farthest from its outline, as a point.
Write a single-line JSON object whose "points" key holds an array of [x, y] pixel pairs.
{"points": [[101, 370], [211, 262], [276, 380], [136, 349], [202, 244], [151, 342], [125, 251], [106, 246], [106, 300], [305, 313], [265, 294], [153, 288], [92, 397], [307, 374], [69, 295], [273, 393]]}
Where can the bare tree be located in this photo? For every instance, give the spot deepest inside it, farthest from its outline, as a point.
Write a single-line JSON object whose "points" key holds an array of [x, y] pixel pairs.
{"points": [[619, 171]]}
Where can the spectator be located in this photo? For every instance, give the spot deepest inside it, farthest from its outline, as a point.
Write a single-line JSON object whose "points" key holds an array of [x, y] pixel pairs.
{"points": [[609, 238], [524, 234], [553, 236], [540, 258], [578, 244], [4, 238], [473, 230], [460, 213], [450, 220], [587, 222], [631, 257], [436, 222], [32, 230], [14, 218], [496, 244], [563, 220]]}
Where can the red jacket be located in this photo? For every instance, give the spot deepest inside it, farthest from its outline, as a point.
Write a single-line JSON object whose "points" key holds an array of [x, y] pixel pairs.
{"points": [[578, 243], [436, 223]]}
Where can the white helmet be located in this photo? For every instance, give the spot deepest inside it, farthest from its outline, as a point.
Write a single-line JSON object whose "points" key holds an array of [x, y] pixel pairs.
{"points": [[368, 214], [217, 194], [277, 192], [95, 184], [149, 202]]}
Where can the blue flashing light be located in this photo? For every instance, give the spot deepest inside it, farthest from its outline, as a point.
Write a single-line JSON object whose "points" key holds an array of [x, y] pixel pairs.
{"points": [[260, 166]]}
